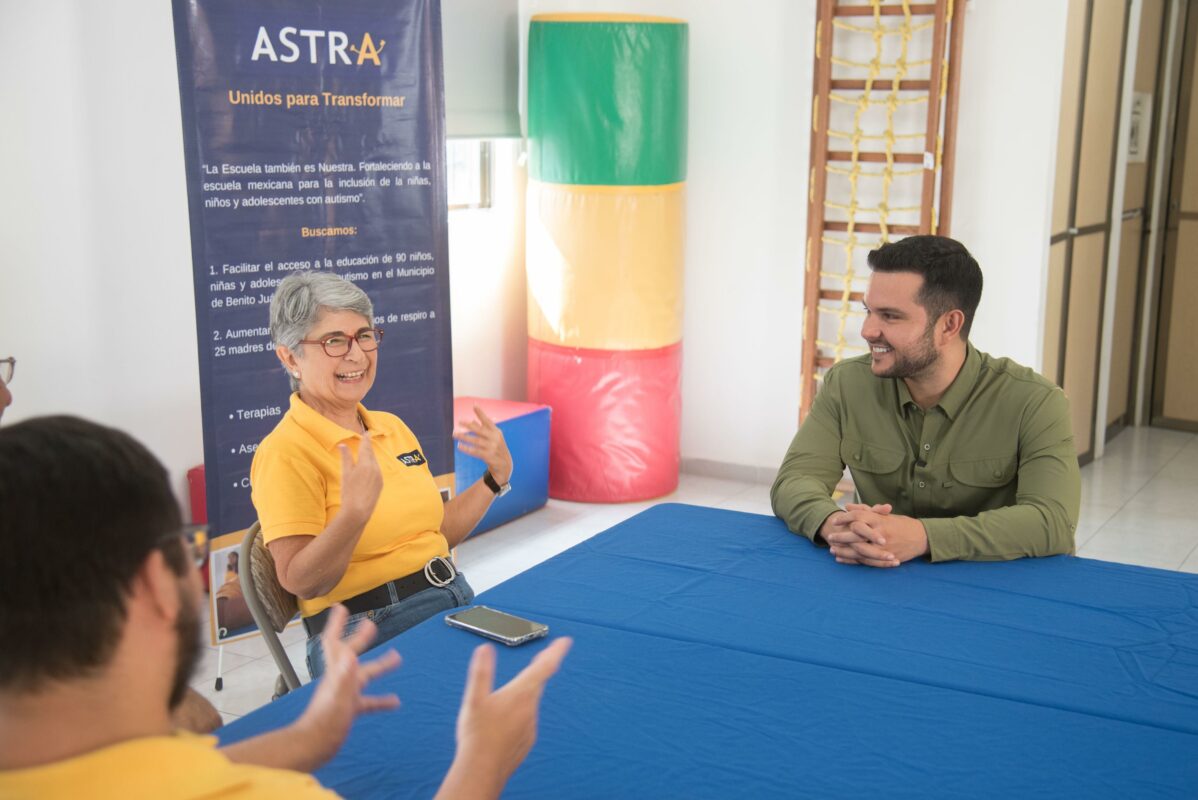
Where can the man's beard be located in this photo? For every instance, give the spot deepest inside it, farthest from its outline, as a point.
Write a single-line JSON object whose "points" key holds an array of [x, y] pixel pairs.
{"points": [[917, 363], [187, 648]]}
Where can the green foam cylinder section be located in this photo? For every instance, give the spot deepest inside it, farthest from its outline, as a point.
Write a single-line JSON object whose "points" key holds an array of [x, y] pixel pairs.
{"points": [[607, 102]]}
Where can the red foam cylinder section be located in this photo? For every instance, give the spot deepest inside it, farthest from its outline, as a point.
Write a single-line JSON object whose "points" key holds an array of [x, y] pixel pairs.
{"points": [[614, 434]]}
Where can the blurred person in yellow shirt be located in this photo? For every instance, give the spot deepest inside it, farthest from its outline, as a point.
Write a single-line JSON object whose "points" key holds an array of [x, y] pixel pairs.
{"points": [[101, 631]]}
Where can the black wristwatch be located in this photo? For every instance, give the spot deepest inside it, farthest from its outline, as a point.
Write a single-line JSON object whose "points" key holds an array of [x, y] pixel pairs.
{"points": [[494, 486]]}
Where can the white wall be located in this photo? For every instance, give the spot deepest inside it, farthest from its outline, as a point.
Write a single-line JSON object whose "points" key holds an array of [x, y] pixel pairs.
{"points": [[96, 299], [486, 287], [1006, 157]]}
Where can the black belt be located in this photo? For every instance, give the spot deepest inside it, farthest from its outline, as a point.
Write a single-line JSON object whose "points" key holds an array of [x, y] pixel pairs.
{"points": [[437, 572]]}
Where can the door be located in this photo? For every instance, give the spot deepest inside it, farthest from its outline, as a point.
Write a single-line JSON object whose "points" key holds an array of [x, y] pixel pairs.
{"points": [[1083, 206], [1175, 385], [1136, 215]]}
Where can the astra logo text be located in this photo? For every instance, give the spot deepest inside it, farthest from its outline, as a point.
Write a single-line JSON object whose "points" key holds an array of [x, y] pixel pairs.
{"points": [[333, 47], [412, 458]]}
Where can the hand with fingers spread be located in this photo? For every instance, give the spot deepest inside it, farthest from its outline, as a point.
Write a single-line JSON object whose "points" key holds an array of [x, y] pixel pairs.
{"points": [[482, 439], [497, 728], [340, 696], [361, 481]]}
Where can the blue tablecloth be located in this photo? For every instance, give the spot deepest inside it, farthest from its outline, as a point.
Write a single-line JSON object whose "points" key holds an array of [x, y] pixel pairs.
{"points": [[718, 655]]}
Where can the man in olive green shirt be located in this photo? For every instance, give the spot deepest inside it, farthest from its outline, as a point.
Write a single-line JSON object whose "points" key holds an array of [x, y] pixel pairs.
{"points": [[955, 454]]}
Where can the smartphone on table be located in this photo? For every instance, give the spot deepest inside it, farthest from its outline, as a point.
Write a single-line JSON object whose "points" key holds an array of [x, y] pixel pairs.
{"points": [[506, 628]]}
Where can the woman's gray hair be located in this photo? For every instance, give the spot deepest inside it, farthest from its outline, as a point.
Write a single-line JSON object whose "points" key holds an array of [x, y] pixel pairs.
{"points": [[301, 299]]}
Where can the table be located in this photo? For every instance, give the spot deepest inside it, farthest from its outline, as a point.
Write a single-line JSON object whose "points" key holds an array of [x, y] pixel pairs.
{"points": [[718, 655]]}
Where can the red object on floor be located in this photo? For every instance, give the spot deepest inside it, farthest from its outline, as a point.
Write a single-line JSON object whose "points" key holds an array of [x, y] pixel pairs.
{"points": [[197, 495], [616, 420]]}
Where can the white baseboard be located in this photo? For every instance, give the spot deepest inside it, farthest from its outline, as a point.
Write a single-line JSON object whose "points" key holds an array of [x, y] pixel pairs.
{"points": [[728, 471]]}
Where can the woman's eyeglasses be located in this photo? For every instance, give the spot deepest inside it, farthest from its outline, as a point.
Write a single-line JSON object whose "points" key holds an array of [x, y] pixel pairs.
{"points": [[338, 344]]}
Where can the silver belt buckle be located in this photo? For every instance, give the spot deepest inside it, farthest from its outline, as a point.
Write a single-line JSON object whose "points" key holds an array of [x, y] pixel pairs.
{"points": [[431, 575]]}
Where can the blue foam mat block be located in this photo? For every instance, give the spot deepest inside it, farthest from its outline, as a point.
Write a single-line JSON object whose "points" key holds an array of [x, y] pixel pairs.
{"points": [[527, 437]]}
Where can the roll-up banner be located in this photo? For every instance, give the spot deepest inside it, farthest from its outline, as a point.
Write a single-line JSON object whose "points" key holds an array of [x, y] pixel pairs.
{"points": [[314, 140]]}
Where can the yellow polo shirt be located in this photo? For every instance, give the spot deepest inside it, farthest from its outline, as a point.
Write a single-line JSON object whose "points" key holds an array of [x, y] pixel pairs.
{"points": [[296, 489], [180, 767]]}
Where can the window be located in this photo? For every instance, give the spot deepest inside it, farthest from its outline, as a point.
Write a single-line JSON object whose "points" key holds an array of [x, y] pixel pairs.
{"points": [[468, 167]]}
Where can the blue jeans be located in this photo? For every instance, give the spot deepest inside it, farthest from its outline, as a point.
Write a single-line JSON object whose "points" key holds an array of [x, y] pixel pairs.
{"points": [[396, 618]]}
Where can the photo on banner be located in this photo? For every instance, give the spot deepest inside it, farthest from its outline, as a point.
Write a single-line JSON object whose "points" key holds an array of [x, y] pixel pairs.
{"points": [[230, 618], [314, 139]]}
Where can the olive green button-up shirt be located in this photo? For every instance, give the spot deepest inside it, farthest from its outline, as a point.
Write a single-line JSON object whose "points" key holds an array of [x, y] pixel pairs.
{"points": [[991, 470]]}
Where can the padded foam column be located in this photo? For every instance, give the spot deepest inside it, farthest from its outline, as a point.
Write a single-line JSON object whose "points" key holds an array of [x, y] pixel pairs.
{"points": [[607, 99], [607, 107], [619, 409], [605, 265]]}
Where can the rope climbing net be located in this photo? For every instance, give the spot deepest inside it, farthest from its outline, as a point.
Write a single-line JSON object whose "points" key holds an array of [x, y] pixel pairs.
{"points": [[884, 109]]}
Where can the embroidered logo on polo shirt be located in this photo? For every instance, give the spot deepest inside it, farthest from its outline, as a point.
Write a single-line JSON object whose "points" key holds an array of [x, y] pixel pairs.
{"points": [[411, 459]]}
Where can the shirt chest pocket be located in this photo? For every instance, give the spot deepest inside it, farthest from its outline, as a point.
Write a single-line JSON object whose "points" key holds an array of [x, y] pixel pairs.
{"points": [[870, 458], [876, 470], [981, 484]]}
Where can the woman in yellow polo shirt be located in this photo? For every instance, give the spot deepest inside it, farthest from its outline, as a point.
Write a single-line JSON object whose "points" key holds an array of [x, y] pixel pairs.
{"points": [[348, 506]]}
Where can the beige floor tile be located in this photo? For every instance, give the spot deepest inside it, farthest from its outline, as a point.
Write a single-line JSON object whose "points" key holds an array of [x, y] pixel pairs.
{"points": [[298, 653], [293, 633], [1183, 467], [1158, 541], [1191, 563], [245, 688], [205, 671], [1109, 483], [1168, 495], [1147, 445], [252, 647], [754, 500]]}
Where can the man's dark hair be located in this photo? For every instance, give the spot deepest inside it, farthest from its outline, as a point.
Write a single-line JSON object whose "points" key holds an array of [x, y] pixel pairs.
{"points": [[951, 277], [81, 507]]}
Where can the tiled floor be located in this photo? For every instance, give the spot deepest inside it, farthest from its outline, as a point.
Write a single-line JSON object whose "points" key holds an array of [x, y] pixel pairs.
{"points": [[1136, 509], [1137, 506]]}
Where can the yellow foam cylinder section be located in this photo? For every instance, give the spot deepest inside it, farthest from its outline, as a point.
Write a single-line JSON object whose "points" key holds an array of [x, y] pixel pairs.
{"points": [[605, 265]]}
